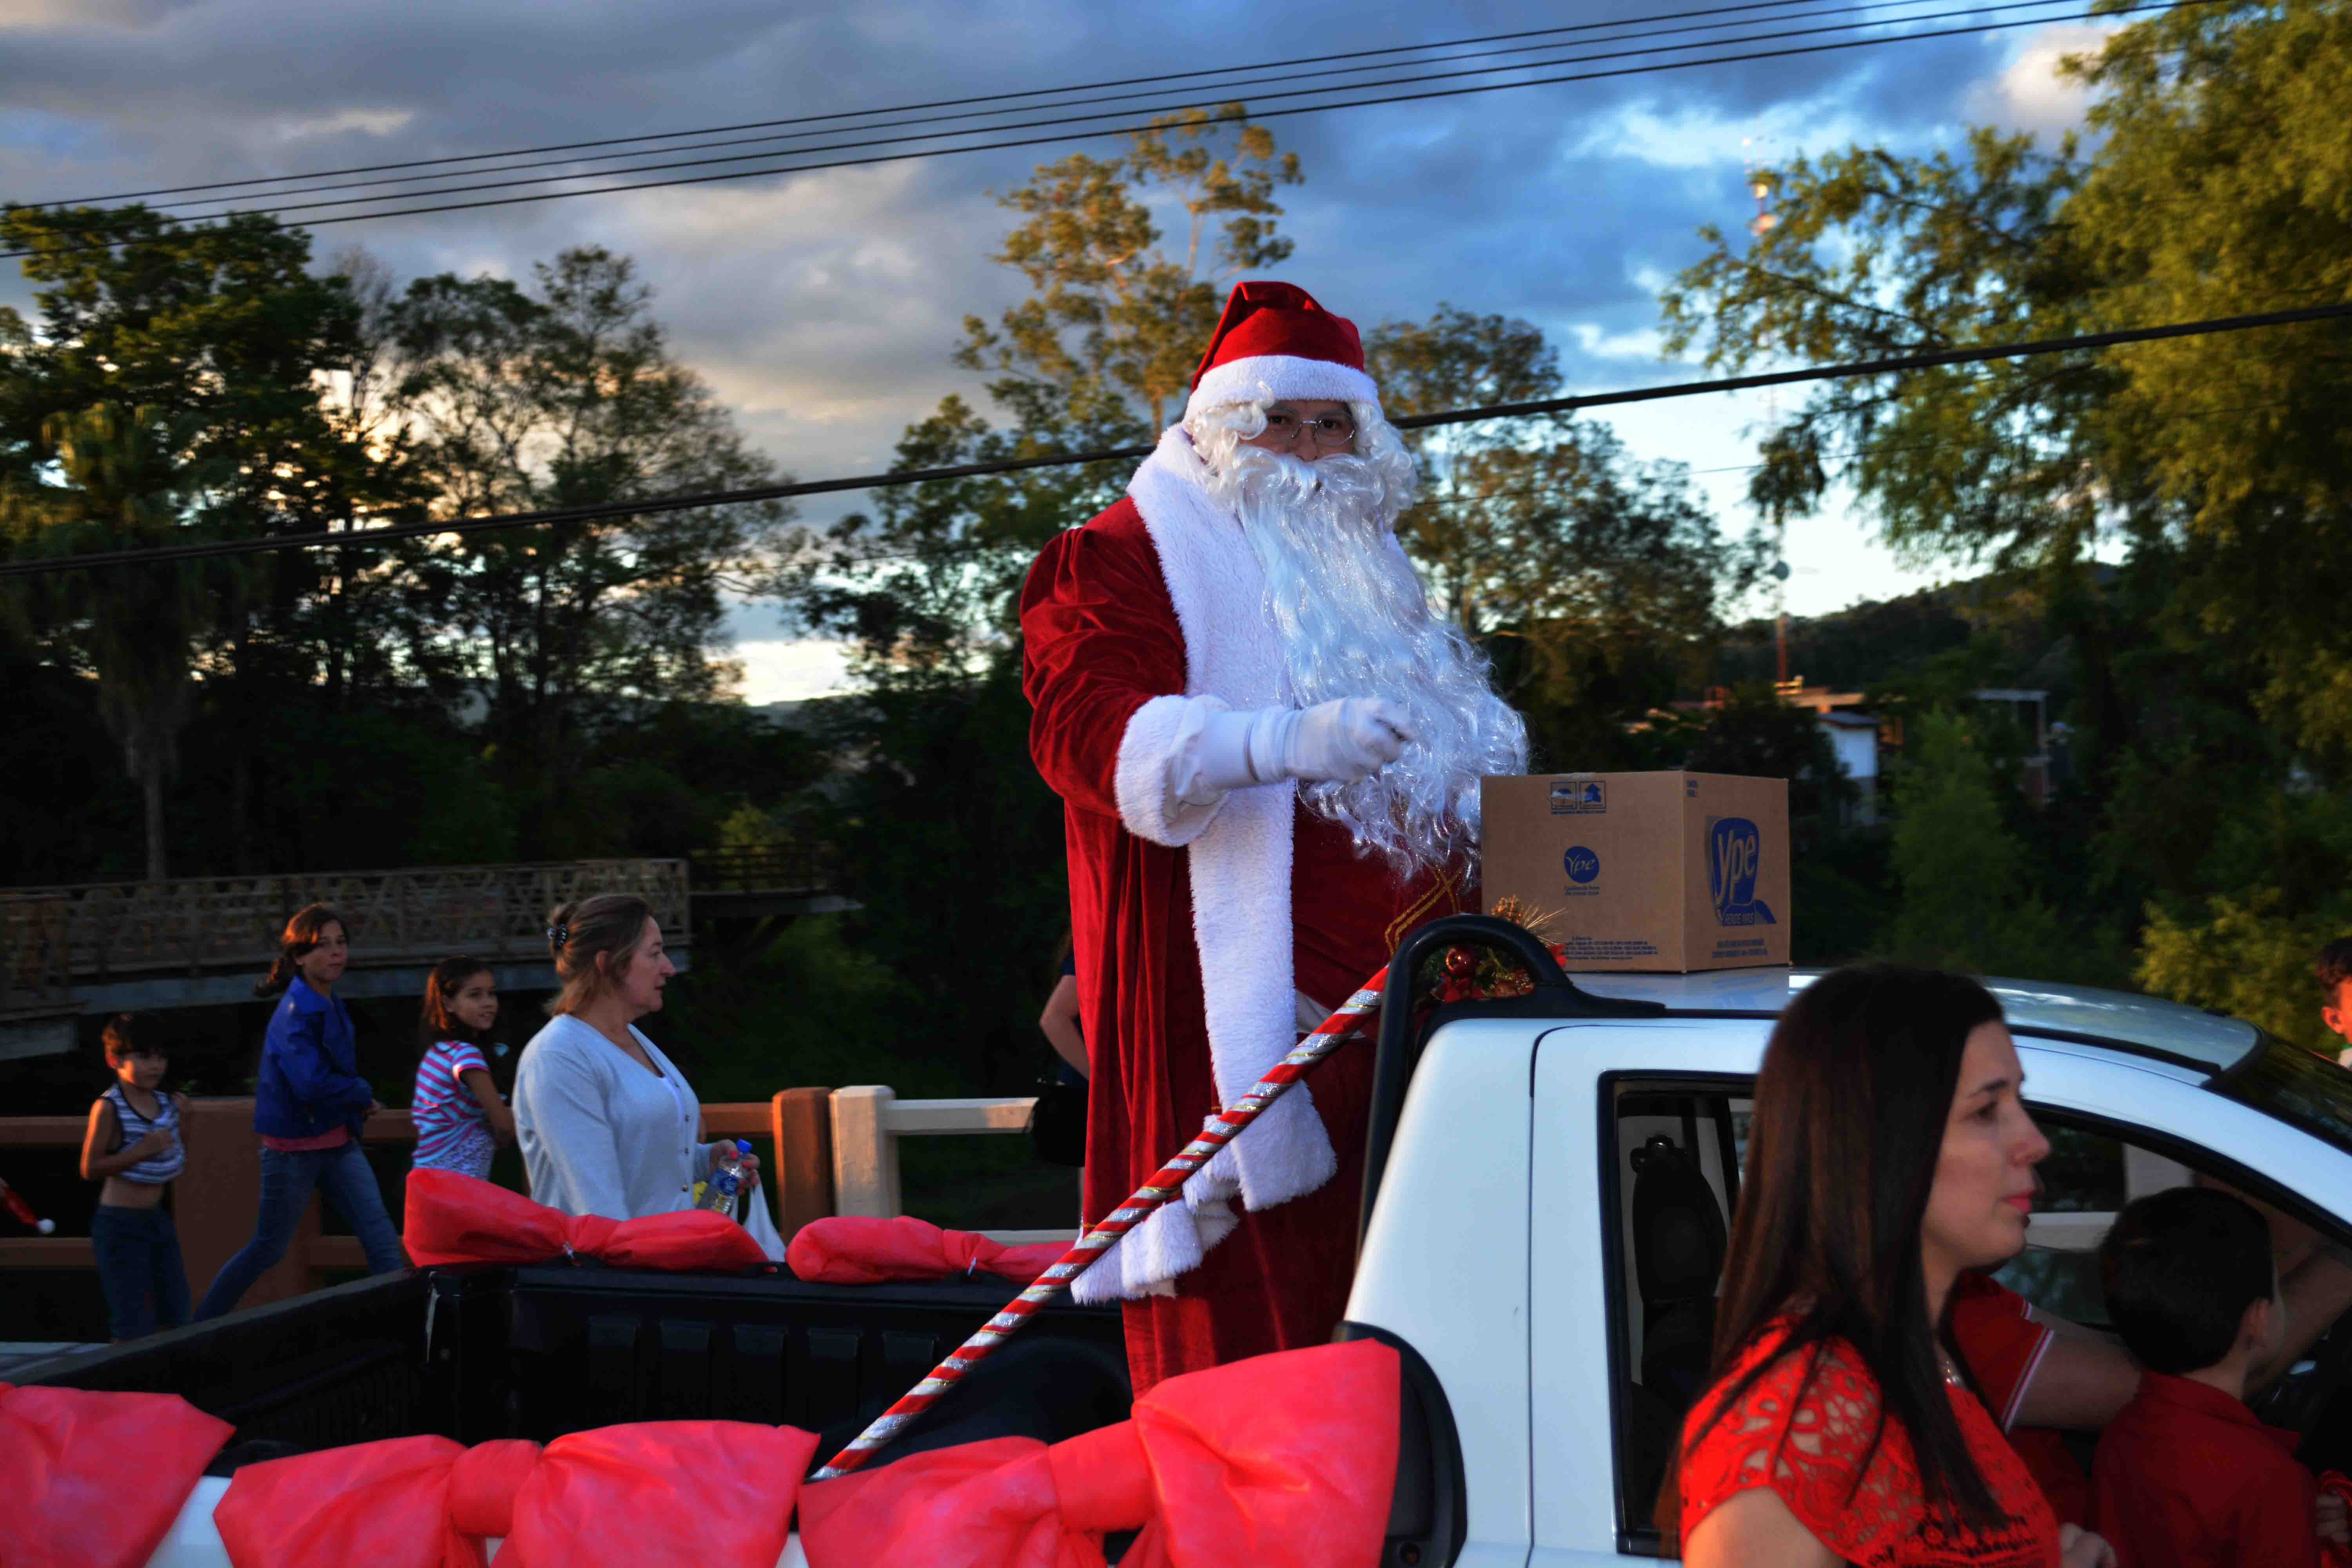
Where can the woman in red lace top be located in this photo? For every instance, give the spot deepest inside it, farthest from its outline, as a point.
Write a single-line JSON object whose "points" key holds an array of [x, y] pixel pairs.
{"points": [[1891, 1152]]}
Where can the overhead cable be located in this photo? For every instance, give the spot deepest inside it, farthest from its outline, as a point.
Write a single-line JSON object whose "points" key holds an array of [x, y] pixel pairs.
{"points": [[1426, 94], [348, 539], [1224, 91], [2051, 10], [909, 107]]}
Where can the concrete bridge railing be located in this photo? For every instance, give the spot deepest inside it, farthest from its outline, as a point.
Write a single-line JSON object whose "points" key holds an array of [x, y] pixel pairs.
{"points": [[197, 923]]}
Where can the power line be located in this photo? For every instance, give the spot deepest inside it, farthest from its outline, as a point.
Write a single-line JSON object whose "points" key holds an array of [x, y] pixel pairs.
{"points": [[658, 505], [1225, 89], [909, 107], [2062, 7], [1426, 94]]}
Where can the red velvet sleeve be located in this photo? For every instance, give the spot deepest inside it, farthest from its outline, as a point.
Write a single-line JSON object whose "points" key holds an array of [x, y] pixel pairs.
{"points": [[1099, 639]]}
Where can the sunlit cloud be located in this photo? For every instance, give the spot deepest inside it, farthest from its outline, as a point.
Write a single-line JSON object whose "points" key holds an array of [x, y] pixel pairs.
{"points": [[778, 670], [374, 122], [2029, 94]]}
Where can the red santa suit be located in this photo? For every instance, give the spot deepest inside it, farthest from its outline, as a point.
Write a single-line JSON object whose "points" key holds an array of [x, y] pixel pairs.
{"points": [[1203, 934]]}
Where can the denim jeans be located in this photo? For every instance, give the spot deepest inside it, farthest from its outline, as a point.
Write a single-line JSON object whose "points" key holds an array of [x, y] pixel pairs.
{"points": [[287, 1177], [138, 1268]]}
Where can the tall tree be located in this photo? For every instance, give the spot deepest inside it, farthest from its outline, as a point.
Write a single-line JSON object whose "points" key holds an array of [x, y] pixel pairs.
{"points": [[2215, 188], [953, 840], [135, 629], [567, 394], [1100, 354], [1594, 581], [224, 334], [2219, 186]]}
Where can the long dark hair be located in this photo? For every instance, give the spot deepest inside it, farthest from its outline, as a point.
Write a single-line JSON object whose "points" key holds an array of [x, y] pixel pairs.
{"points": [[434, 1022], [301, 934], [1850, 1107]]}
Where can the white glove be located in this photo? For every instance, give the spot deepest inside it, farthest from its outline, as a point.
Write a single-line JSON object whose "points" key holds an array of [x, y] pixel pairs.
{"points": [[1342, 742], [1339, 741]]}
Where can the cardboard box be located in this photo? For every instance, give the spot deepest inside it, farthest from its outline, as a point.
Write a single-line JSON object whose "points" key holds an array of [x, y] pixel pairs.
{"points": [[1669, 871]]}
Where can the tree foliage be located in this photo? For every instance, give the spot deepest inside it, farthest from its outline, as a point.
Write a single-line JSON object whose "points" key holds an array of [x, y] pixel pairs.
{"points": [[2214, 187], [1098, 355], [506, 693], [566, 393], [125, 483], [1967, 898], [1595, 582], [1113, 317]]}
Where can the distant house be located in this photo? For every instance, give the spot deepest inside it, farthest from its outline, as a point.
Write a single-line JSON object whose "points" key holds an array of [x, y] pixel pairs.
{"points": [[1854, 737], [1859, 737]]}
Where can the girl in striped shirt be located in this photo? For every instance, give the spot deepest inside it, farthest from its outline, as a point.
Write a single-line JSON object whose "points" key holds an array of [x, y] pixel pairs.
{"points": [[135, 1146], [460, 1119]]}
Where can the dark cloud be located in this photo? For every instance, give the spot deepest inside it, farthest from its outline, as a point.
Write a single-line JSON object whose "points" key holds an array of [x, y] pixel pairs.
{"points": [[824, 307]]}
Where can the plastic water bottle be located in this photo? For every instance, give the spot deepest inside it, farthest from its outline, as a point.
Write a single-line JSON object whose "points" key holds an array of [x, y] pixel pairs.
{"points": [[726, 1177]]}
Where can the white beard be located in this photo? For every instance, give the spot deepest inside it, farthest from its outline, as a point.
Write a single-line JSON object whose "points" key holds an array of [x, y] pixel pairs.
{"points": [[1352, 621]]}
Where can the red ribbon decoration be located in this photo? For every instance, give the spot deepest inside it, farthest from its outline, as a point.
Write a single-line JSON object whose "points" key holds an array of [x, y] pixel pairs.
{"points": [[94, 1480], [856, 1249], [717, 1494], [455, 1218], [1280, 1461]]}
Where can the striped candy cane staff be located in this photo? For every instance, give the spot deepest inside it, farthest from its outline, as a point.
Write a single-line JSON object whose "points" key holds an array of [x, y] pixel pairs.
{"points": [[1163, 1187]]}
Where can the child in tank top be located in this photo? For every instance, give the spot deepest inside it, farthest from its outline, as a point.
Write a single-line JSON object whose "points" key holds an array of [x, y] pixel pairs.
{"points": [[135, 1146]]}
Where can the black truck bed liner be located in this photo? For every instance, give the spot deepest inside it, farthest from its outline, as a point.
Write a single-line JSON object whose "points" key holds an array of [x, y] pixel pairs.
{"points": [[483, 1352]]}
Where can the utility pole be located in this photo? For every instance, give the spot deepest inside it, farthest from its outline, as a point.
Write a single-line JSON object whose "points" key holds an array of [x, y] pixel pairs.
{"points": [[1759, 184]]}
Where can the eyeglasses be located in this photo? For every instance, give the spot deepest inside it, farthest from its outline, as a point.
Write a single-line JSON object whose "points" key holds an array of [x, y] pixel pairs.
{"points": [[1330, 429]]}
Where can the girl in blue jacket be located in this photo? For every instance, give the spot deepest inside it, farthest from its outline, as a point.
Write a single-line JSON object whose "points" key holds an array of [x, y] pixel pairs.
{"points": [[310, 1104]]}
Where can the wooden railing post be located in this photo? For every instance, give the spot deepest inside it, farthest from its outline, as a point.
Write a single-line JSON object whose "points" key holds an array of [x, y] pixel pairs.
{"points": [[218, 1197], [800, 1120], [865, 1156]]}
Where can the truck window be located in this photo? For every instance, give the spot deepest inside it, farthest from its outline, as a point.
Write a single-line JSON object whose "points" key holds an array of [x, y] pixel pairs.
{"points": [[1673, 1187], [2088, 1176]]}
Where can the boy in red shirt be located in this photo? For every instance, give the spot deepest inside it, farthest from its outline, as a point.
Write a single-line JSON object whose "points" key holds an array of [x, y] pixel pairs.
{"points": [[2187, 1477]]}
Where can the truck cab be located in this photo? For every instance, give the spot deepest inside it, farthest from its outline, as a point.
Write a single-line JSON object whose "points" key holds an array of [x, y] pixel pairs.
{"points": [[1553, 1185]]}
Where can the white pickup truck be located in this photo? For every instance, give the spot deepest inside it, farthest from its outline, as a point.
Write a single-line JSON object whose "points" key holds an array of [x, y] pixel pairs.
{"points": [[1551, 1188], [1550, 1178]]}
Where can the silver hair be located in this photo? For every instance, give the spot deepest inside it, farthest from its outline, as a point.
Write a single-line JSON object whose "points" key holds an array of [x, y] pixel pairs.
{"points": [[1352, 620]]}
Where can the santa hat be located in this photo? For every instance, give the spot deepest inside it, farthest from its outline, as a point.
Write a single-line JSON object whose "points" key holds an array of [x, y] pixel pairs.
{"points": [[1275, 341]]}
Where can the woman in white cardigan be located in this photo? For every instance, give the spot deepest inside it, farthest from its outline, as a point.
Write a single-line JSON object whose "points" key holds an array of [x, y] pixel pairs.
{"points": [[606, 1124]]}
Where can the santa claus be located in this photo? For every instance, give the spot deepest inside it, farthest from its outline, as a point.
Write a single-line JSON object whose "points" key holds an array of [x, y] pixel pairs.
{"points": [[1269, 754]]}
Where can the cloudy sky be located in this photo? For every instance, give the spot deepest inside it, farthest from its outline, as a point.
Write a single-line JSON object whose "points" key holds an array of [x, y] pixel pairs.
{"points": [[823, 307]]}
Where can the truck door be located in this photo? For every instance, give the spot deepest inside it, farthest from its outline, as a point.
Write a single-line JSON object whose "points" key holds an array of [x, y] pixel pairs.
{"points": [[1635, 1165]]}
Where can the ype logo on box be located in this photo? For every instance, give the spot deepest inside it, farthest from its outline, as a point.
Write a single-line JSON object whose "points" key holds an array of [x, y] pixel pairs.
{"points": [[1734, 849], [1579, 797], [1580, 864]]}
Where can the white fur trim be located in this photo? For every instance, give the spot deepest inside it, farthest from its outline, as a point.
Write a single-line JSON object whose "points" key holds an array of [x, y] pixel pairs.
{"points": [[1162, 733], [1267, 378], [1239, 866]]}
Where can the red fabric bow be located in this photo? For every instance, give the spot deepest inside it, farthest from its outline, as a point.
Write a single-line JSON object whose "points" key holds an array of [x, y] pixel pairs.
{"points": [[1280, 1461], [712, 1493], [853, 1250], [93, 1480], [455, 1218]]}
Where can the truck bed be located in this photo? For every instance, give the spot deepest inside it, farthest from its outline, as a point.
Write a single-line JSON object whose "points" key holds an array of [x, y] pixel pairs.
{"points": [[482, 1351]]}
